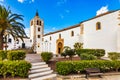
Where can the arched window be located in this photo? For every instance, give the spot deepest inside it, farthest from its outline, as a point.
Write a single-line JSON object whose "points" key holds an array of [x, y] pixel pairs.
{"points": [[40, 23], [31, 23], [98, 26], [37, 22], [59, 35], [38, 28], [38, 36], [72, 33], [50, 38]]}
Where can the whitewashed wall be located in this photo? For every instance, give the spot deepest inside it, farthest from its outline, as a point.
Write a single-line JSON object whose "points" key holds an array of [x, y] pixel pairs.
{"points": [[66, 35], [106, 38], [14, 45]]}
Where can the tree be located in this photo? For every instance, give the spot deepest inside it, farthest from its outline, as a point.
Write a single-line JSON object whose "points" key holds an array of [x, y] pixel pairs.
{"points": [[78, 46], [70, 53], [65, 49], [10, 24]]}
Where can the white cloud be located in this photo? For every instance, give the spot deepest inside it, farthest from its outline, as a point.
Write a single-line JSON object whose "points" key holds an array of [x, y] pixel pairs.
{"points": [[49, 29], [27, 31], [1, 0], [31, 1], [102, 10], [53, 28], [61, 2], [21, 1], [61, 16], [67, 11]]}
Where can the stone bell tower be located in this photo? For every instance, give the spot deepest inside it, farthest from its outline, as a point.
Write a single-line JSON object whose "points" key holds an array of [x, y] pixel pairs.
{"points": [[36, 33]]}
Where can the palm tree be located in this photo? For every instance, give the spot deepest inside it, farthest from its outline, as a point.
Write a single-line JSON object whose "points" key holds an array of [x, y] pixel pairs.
{"points": [[9, 24]]}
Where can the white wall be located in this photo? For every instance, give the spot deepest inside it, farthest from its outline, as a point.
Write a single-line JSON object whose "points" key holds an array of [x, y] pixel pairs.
{"points": [[66, 35], [14, 45], [106, 38]]}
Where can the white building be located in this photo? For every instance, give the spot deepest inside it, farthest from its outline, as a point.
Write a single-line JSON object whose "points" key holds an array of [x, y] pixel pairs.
{"points": [[100, 32]]}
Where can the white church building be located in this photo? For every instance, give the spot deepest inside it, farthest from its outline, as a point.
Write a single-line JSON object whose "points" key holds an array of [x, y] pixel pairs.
{"points": [[99, 32]]}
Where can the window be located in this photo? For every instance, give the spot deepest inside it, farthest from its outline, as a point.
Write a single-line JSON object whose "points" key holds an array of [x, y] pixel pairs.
{"points": [[37, 22], [59, 35], [98, 26], [50, 38], [9, 40], [38, 28], [30, 40], [31, 23], [72, 33], [38, 36], [17, 41], [23, 45], [40, 23]]}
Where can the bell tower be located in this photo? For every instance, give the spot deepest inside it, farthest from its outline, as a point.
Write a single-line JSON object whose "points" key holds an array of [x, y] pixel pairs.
{"points": [[36, 33]]}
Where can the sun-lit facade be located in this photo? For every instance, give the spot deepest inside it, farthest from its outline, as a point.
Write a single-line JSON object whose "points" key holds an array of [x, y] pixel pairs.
{"points": [[100, 32]]}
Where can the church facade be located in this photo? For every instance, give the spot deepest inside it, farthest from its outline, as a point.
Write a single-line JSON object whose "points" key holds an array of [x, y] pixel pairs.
{"points": [[100, 32]]}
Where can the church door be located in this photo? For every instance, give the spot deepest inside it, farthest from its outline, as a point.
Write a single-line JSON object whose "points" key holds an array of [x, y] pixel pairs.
{"points": [[60, 47]]}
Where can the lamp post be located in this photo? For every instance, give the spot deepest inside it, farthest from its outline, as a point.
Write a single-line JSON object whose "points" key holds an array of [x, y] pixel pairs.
{"points": [[50, 47], [46, 49]]}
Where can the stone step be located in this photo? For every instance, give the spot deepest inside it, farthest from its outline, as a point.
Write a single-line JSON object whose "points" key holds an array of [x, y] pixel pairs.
{"points": [[39, 70], [38, 67], [38, 63], [40, 74], [45, 77]]}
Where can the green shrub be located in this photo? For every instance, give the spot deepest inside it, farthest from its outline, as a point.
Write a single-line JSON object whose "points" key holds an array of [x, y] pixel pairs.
{"points": [[3, 54], [16, 55], [68, 67], [46, 56], [113, 55], [78, 45], [64, 68], [85, 56], [14, 68], [63, 54], [70, 53], [96, 52]]}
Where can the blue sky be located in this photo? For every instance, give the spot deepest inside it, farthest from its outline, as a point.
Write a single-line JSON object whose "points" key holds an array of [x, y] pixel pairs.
{"points": [[58, 14]]}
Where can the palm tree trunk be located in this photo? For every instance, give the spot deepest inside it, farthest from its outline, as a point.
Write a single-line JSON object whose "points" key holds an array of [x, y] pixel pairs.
{"points": [[1, 40]]}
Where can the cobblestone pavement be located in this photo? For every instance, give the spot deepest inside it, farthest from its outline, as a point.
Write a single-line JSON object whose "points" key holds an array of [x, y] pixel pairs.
{"points": [[33, 58]]}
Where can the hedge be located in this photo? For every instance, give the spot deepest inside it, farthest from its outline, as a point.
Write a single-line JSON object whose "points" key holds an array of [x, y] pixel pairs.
{"points": [[68, 67], [114, 55], [96, 52], [14, 68], [16, 55], [46, 56], [3, 55], [85, 56]]}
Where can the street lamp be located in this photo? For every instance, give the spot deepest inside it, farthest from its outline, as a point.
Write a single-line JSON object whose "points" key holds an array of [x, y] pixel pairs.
{"points": [[46, 49]]}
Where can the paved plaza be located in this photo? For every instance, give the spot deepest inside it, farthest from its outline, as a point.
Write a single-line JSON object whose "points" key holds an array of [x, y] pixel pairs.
{"points": [[110, 77]]}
